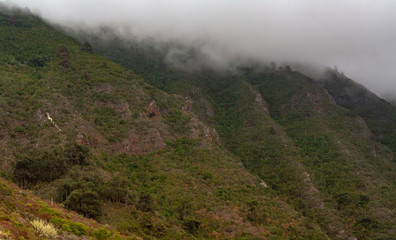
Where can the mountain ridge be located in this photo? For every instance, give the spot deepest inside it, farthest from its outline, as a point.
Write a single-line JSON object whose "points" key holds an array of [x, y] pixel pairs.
{"points": [[70, 120], [298, 104]]}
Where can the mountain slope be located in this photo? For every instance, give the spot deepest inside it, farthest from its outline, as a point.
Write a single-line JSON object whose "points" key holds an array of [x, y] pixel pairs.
{"points": [[320, 157], [379, 114], [95, 137]]}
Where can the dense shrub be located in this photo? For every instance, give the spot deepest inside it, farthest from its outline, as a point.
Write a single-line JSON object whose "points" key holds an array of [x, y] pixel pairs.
{"points": [[36, 61], [43, 229], [45, 166], [101, 234], [68, 226], [84, 201]]}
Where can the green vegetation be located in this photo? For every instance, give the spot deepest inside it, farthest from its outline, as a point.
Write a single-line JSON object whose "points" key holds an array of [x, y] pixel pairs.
{"points": [[317, 156], [79, 129], [35, 166], [100, 140], [379, 114], [44, 230], [22, 215]]}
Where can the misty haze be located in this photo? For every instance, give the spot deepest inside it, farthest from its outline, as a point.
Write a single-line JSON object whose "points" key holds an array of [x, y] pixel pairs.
{"points": [[358, 36]]}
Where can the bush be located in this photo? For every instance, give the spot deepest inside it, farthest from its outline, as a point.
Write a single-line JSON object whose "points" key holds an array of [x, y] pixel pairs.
{"points": [[61, 223], [37, 62], [101, 233], [43, 229], [73, 227], [51, 211], [84, 201], [78, 228]]}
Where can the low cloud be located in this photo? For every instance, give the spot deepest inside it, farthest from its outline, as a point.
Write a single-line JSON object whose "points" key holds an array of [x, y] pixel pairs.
{"points": [[356, 35]]}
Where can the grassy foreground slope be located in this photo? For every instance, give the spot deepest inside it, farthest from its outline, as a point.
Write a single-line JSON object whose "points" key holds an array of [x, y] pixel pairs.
{"points": [[318, 156], [96, 138], [25, 216]]}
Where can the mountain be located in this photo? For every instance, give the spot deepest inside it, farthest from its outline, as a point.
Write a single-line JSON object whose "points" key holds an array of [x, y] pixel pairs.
{"points": [[295, 133], [159, 144], [379, 114], [99, 140]]}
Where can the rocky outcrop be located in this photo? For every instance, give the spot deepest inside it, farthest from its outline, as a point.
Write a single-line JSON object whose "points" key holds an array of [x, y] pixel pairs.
{"points": [[208, 108], [364, 131], [198, 130], [123, 109], [152, 110], [189, 105], [141, 144], [260, 103]]}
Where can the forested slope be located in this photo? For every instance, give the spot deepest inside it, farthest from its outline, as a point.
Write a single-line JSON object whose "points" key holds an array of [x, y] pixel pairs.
{"points": [[98, 139]]}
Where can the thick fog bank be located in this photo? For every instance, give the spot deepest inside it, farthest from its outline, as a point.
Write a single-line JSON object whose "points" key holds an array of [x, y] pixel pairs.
{"points": [[356, 35]]}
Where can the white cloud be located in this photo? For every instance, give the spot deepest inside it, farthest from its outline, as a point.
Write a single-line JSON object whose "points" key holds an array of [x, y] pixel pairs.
{"points": [[356, 35]]}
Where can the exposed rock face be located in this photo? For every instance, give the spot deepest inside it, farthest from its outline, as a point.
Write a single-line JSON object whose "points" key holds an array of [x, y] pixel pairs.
{"points": [[208, 108], [329, 98], [198, 129], [189, 105], [124, 110], [142, 144], [152, 110], [259, 102], [258, 99], [315, 98], [90, 136], [364, 130], [311, 192], [152, 141], [38, 115], [211, 134], [81, 139]]}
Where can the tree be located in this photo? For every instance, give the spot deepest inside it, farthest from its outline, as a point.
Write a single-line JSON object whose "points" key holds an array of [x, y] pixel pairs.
{"points": [[85, 201]]}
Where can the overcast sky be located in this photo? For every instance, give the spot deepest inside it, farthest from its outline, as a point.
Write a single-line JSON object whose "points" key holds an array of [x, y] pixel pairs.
{"points": [[359, 36]]}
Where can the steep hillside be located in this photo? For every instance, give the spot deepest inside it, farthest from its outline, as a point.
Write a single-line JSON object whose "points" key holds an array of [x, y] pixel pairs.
{"points": [[379, 114], [95, 137], [318, 156], [350, 169]]}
